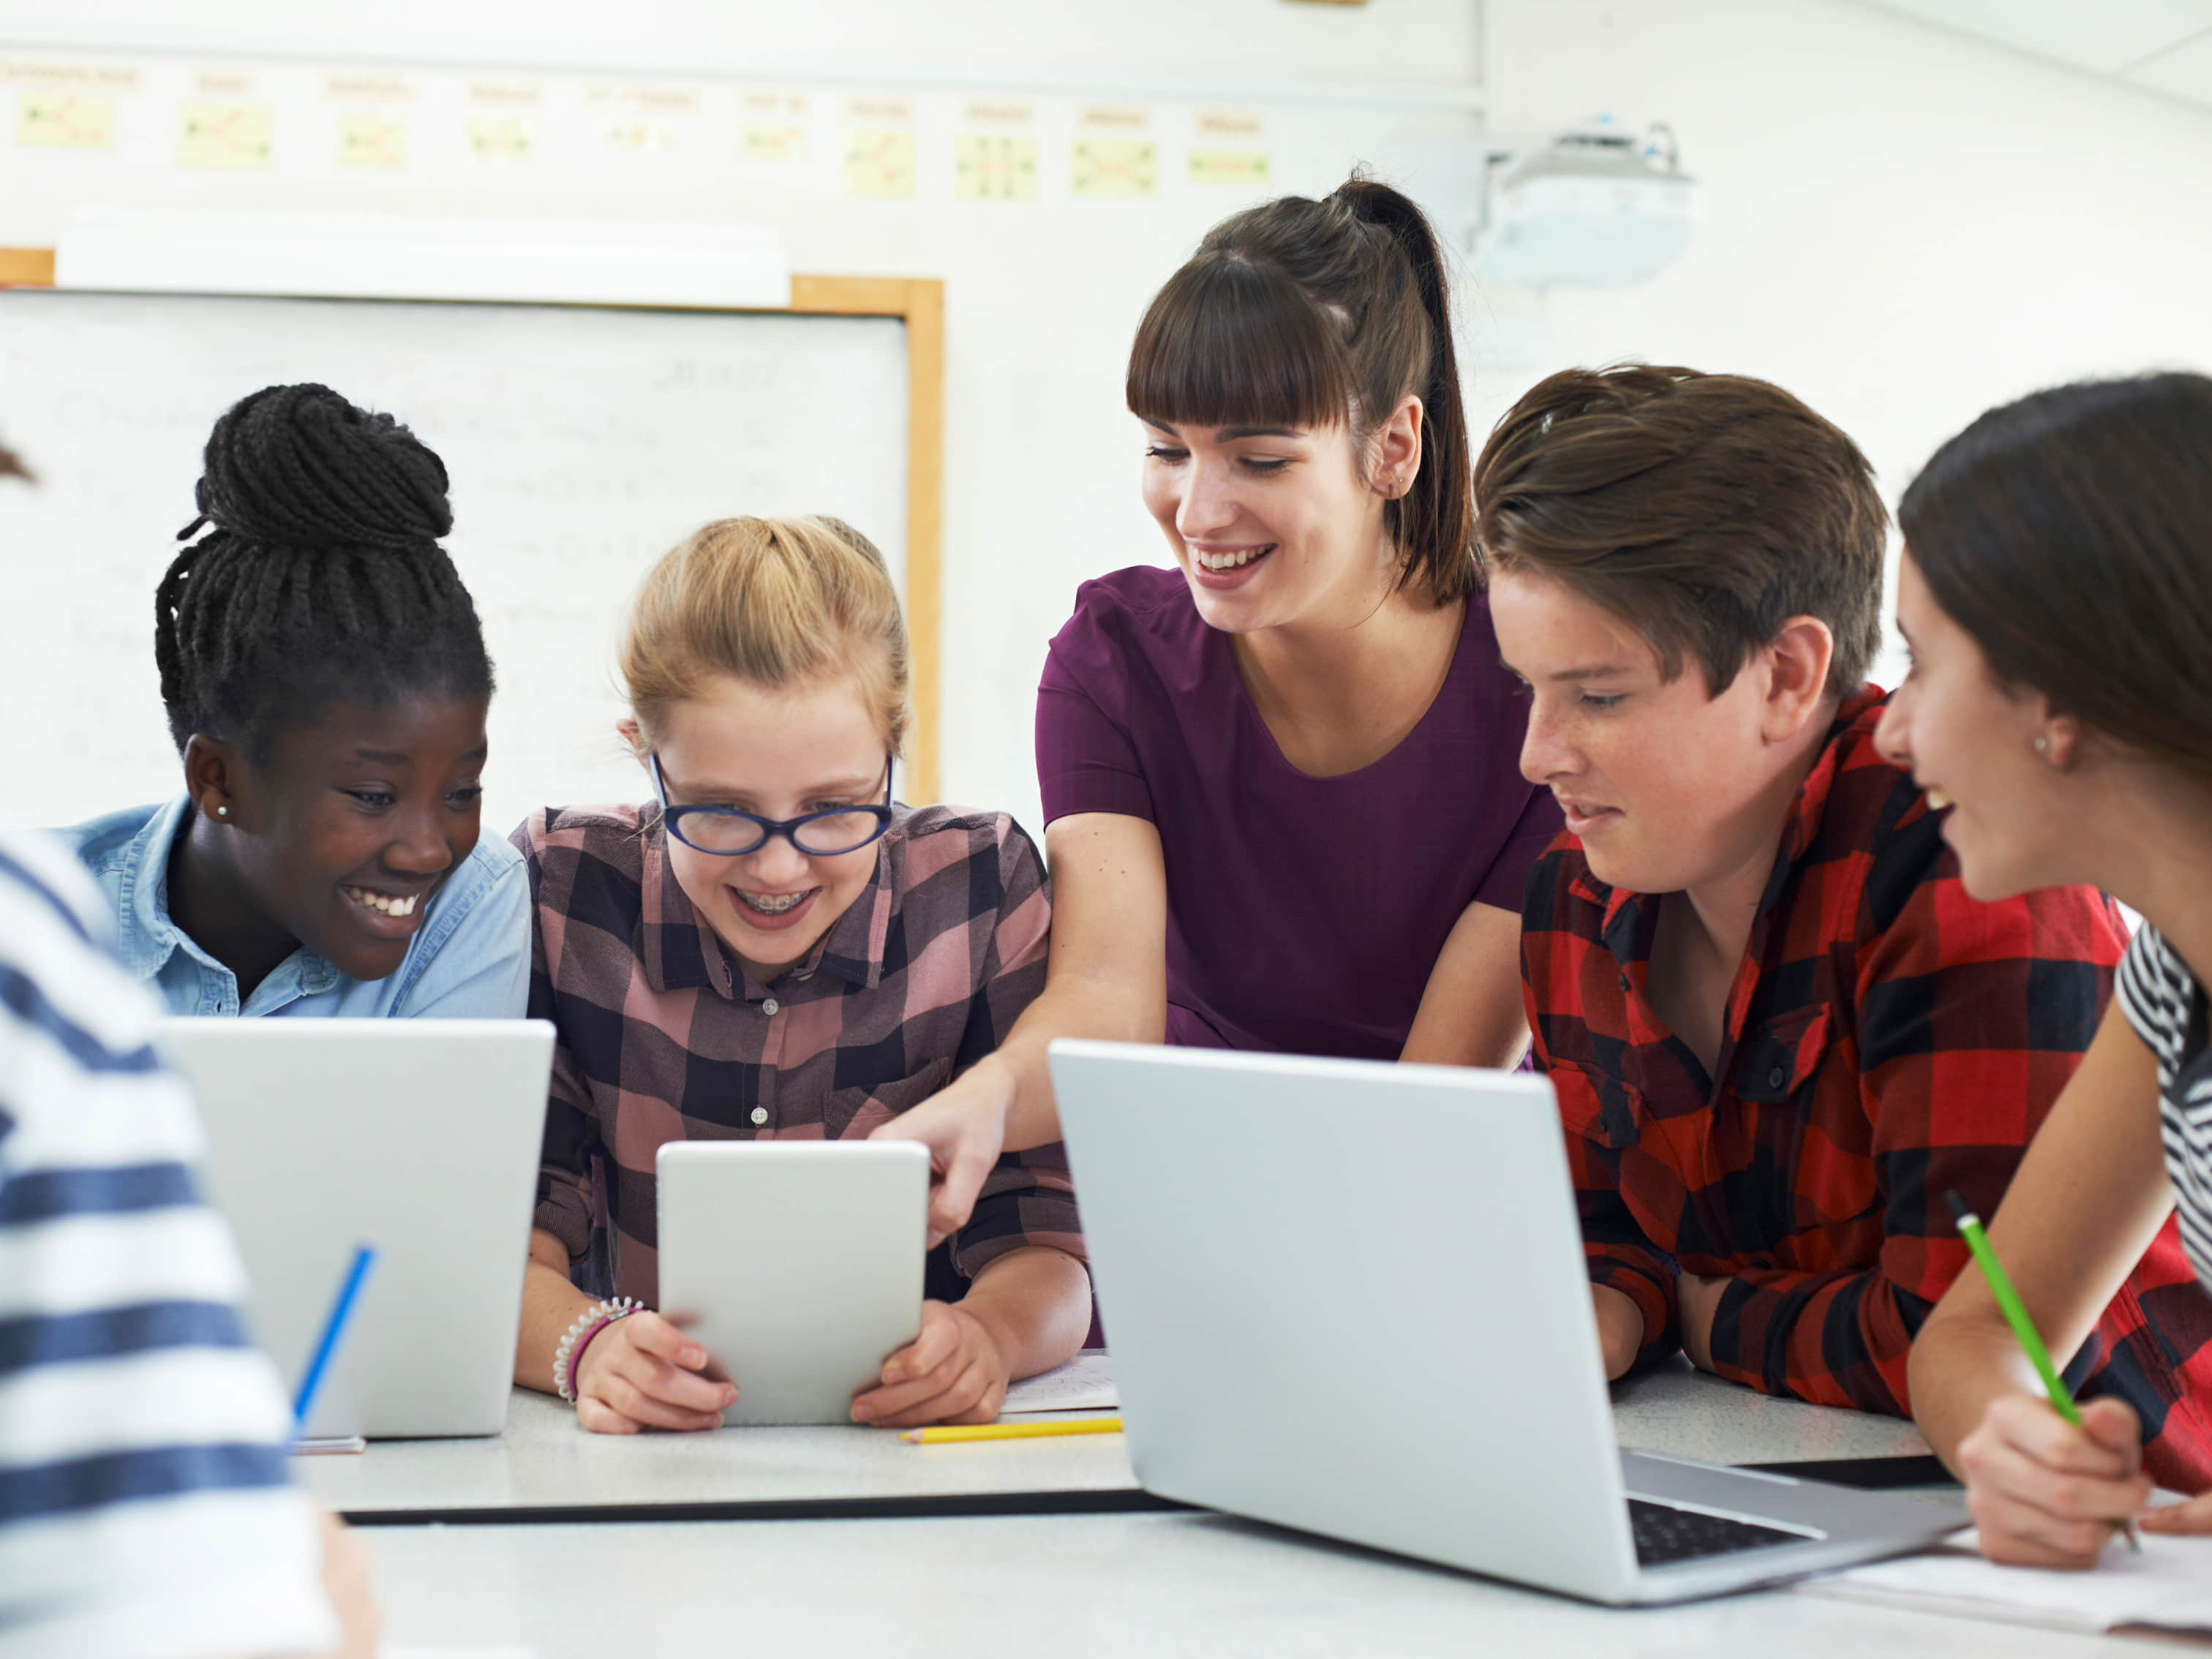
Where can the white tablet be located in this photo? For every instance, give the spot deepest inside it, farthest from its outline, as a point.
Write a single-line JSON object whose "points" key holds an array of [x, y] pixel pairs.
{"points": [[796, 1264]]}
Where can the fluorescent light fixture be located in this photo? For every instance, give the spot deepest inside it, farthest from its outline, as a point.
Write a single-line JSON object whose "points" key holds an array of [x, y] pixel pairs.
{"points": [[381, 257]]}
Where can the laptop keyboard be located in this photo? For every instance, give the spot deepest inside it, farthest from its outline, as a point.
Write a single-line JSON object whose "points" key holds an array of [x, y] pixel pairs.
{"points": [[1664, 1534]]}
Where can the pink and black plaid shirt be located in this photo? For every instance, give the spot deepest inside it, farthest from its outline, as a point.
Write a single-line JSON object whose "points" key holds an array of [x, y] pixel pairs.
{"points": [[665, 1036]]}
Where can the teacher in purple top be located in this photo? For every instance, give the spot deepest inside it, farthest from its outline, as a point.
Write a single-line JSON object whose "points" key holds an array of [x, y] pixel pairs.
{"points": [[1281, 780]]}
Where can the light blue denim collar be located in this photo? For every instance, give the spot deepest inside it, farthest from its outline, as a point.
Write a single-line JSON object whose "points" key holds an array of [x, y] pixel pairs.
{"points": [[148, 938]]}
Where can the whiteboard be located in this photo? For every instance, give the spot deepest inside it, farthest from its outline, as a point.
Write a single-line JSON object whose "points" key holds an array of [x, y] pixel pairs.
{"points": [[582, 443]]}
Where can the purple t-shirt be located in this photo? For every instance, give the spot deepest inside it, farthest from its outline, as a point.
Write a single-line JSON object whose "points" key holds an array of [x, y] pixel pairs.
{"points": [[1304, 913]]}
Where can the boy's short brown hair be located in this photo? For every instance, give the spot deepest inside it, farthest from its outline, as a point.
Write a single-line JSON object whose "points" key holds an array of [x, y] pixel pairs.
{"points": [[1705, 510]]}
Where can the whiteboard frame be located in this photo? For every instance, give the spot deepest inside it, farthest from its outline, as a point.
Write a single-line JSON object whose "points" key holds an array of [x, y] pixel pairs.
{"points": [[918, 302]]}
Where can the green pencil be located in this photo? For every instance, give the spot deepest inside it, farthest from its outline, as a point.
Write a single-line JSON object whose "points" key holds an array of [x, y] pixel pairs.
{"points": [[2023, 1327]]}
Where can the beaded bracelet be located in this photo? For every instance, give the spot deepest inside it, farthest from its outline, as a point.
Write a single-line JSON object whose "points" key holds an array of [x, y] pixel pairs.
{"points": [[578, 1337]]}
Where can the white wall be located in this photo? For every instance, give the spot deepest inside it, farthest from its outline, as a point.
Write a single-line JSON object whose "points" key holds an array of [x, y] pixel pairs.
{"points": [[1902, 226], [1155, 40], [1040, 300]]}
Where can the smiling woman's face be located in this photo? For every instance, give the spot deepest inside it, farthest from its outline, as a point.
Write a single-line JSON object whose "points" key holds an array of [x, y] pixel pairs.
{"points": [[1971, 743], [1270, 524], [778, 754], [355, 820]]}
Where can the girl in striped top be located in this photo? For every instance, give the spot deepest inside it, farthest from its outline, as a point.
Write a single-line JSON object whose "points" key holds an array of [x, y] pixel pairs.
{"points": [[2056, 595]]}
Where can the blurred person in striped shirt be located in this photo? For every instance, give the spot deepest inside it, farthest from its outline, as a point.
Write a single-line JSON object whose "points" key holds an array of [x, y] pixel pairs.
{"points": [[146, 1509]]}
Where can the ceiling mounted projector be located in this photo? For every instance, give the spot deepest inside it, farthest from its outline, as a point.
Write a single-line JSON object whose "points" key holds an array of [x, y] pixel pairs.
{"points": [[1596, 207]]}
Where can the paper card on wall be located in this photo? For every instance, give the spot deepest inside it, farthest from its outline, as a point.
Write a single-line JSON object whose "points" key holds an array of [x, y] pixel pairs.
{"points": [[225, 136], [42, 76], [775, 128], [642, 120], [64, 121], [1002, 113], [879, 110], [879, 161], [506, 95], [766, 143], [502, 138], [645, 100], [637, 137], [1125, 119], [1109, 168], [772, 108], [1248, 167], [1243, 125], [990, 166], [368, 89], [372, 139]]}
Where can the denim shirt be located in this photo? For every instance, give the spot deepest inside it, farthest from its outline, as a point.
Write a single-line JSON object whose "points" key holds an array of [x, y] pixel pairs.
{"points": [[469, 960]]}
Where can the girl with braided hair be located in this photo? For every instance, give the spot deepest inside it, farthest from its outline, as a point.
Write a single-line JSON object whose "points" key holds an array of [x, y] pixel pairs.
{"points": [[326, 685]]}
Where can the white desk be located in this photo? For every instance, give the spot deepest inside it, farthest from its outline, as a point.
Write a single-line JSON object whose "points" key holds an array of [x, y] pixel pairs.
{"points": [[1691, 1413], [544, 1461], [1140, 1584], [1146, 1586]]}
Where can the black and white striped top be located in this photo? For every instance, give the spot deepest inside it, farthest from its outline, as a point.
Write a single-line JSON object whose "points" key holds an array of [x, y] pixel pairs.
{"points": [[146, 1503], [2164, 1003]]}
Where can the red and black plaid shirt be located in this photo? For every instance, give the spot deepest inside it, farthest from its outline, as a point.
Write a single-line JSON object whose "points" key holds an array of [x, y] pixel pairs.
{"points": [[1887, 1038]]}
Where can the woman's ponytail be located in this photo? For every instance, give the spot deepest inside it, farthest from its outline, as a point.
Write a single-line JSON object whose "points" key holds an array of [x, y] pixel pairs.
{"points": [[1434, 521]]}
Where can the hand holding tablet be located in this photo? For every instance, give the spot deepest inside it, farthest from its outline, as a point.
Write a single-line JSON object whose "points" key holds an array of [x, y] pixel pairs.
{"points": [[796, 1268], [955, 1371], [643, 1372]]}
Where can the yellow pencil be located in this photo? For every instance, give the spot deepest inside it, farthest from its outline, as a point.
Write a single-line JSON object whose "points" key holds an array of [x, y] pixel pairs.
{"points": [[1014, 1430]]}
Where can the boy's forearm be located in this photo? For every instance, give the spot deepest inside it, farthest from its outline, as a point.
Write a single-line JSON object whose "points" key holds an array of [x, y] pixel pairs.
{"points": [[1036, 1303]]}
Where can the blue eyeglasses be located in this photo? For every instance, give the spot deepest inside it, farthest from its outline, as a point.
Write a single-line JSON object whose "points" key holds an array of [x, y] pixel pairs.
{"points": [[727, 832]]}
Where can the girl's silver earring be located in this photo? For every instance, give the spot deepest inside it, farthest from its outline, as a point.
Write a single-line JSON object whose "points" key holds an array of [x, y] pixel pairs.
{"points": [[2043, 745], [222, 812]]}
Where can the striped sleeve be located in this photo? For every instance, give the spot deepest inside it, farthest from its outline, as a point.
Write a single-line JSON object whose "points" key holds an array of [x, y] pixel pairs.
{"points": [[2156, 991], [2158, 994], [145, 1503]]}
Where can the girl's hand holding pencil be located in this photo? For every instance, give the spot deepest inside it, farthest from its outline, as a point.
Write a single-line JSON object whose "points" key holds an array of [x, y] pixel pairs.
{"points": [[2047, 1482], [2044, 1493]]}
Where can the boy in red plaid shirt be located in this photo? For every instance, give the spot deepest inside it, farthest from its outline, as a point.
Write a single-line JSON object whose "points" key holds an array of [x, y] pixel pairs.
{"points": [[1778, 1027]]}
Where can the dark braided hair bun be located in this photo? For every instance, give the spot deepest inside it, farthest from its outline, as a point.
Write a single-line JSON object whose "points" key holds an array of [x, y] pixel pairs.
{"points": [[298, 466], [321, 578]]}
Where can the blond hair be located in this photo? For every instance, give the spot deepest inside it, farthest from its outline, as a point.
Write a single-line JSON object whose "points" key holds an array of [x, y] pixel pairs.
{"points": [[775, 603]]}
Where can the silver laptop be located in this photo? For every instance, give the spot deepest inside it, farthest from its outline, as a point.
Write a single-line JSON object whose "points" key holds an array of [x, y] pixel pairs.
{"points": [[420, 1137], [1349, 1297]]}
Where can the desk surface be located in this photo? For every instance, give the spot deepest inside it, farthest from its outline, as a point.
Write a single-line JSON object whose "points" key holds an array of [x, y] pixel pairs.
{"points": [[545, 1461], [1152, 1584], [1149, 1586]]}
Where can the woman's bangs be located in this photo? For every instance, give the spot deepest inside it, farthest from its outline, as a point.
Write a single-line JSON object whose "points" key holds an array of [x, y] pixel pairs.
{"points": [[1228, 343]]}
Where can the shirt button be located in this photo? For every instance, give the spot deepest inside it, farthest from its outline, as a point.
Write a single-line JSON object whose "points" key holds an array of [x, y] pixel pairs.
{"points": [[760, 1116], [1777, 1077], [770, 1007]]}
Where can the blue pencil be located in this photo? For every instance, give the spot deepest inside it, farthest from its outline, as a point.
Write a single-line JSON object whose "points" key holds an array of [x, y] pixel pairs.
{"points": [[326, 1347]]}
